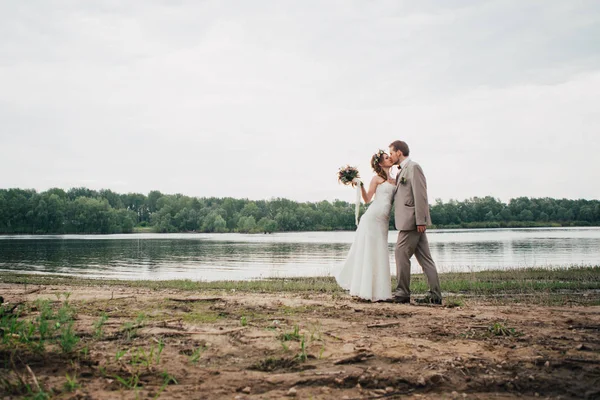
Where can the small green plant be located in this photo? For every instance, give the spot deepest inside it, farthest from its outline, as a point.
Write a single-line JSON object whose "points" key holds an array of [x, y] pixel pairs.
{"points": [[244, 321], [26, 334], [64, 315], [99, 326], [141, 318], [67, 340], [321, 351], [454, 302], [499, 329], [302, 356], [161, 346], [315, 331], [130, 330], [129, 383], [136, 357], [71, 383], [167, 379], [43, 319], [195, 356], [294, 335], [120, 354], [145, 357], [39, 395]]}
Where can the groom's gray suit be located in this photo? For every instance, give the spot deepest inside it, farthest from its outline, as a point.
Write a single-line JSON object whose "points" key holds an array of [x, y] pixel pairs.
{"points": [[411, 208]]}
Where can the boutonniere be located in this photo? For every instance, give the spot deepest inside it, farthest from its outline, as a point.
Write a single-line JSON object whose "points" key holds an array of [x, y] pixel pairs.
{"points": [[403, 180]]}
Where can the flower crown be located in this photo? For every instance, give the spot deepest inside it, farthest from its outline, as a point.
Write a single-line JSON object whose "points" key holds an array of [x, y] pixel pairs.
{"points": [[376, 159]]}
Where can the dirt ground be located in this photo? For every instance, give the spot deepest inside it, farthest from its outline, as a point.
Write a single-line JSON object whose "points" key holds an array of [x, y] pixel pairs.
{"points": [[228, 345]]}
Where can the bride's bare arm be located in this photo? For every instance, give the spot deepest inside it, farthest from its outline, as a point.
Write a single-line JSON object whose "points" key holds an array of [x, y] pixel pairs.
{"points": [[368, 195]]}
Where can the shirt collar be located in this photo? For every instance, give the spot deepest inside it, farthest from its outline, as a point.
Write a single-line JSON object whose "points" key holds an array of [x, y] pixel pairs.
{"points": [[403, 163]]}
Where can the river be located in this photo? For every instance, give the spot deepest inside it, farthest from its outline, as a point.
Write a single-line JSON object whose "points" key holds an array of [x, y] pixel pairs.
{"points": [[210, 257]]}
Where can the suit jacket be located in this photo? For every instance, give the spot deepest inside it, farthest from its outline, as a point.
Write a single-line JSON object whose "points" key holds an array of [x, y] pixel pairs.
{"points": [[411, 207]]}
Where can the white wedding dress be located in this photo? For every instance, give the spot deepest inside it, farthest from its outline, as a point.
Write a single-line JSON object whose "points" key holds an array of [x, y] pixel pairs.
{"points": [[366, 271]]}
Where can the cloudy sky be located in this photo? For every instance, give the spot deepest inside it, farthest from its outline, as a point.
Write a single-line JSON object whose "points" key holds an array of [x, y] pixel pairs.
{"points": [[262, 99]]}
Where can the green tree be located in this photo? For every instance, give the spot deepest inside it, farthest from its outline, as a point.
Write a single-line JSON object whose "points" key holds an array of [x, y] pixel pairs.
{"points": [[214, 222], [526, 215], [267, 225], [81, 210], [246, 224], [251, 210], [219, 225], [586, 213]]}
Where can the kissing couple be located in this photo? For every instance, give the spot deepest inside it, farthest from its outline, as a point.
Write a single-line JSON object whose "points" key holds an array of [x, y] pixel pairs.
{"points": [[366, 271]]}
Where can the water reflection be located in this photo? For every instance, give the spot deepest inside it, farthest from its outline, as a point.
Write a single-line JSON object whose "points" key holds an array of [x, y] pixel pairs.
{"points": [[231, 256]]}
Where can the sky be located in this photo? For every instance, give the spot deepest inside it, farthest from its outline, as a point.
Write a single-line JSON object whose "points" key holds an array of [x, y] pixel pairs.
{"points": [[266, 99]]}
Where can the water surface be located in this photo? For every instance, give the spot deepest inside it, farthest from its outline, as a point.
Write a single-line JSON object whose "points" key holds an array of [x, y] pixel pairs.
{"points": [[239, 257]]}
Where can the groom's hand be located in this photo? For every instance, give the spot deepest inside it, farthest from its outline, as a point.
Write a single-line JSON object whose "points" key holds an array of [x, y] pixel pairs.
{"points": [[421, 228]]}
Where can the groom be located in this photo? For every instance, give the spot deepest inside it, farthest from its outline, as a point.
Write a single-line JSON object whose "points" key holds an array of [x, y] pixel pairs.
{"points": [[411, 210]]}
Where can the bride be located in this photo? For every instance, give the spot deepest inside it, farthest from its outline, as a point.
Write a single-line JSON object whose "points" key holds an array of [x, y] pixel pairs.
{"points": [[366, 271]]}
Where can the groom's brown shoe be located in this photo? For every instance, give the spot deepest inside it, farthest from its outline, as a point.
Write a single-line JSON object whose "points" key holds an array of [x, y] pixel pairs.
{"points": [[429, 300], [401, 300]]}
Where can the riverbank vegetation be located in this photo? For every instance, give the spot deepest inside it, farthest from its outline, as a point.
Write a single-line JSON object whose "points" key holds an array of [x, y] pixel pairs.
{"points": [[545, 284], [81, 210]]}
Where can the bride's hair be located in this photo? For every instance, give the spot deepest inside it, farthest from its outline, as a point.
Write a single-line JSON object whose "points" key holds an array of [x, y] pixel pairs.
{"points": [[375, 160]]}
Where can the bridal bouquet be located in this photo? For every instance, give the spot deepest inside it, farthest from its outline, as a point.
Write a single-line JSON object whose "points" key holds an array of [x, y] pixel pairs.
{"points": [[347, 174]]}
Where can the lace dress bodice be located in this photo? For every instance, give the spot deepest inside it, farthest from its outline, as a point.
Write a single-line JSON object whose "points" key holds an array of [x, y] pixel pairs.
{"points": [[382, 201]]}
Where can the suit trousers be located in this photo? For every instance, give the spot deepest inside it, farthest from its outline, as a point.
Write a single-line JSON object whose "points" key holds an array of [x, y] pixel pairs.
{"points": [[409, 243]]}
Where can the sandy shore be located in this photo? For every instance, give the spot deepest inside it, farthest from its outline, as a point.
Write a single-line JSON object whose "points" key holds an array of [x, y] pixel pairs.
{"points": [[228, 345]]}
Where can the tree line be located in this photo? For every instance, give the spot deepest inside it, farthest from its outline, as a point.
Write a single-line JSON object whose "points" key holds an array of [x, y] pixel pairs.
{"points": [[82, 210]]}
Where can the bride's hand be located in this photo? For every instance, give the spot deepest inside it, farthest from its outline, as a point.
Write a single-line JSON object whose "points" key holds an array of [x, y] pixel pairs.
{"points": [[356, 181]]}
